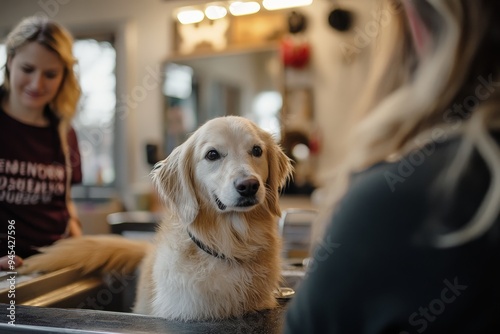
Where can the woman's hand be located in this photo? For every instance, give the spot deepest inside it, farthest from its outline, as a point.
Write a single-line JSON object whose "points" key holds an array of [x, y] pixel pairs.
{"points": [[74, 224], [6, 265]]}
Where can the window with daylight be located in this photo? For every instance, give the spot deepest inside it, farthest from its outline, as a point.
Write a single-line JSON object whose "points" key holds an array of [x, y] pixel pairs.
{"points": [[94, 121]]}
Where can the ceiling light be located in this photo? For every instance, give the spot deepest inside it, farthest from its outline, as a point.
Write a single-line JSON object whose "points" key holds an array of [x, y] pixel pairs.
{"points": [[281, 4], [238, 8], [215, 11], [190, 15]]}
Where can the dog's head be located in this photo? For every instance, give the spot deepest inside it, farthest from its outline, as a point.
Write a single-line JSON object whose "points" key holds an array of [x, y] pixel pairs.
{"points": [[228, 165]]}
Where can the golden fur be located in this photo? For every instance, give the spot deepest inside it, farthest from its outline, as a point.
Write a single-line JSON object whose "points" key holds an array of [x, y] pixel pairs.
{"points": [[200, 190]]}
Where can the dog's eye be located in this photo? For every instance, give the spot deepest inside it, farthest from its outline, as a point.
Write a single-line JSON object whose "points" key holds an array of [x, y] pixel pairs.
{"points": [[256, 151], [212, 155]]}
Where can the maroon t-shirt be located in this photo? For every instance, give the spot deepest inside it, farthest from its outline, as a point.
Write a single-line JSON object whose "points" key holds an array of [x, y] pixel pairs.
{"points": [[33, 184]]}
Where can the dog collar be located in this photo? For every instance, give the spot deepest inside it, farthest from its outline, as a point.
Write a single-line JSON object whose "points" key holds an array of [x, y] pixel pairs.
{"points": [[207, 249]]}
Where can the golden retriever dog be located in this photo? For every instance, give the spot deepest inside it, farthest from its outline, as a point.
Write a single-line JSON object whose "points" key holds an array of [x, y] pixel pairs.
{"points": [[217, 252]]}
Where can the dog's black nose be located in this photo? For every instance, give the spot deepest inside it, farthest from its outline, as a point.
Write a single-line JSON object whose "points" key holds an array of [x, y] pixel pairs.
{"points": [[248, 187]]}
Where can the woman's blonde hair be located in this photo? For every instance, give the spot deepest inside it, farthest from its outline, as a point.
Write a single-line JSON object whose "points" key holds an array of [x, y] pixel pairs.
{"points": [[410, 99], [37, 29], [56, 38]]}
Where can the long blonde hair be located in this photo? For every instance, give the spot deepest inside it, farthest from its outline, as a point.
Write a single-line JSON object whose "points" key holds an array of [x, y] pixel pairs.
{"points": [[56, 38], [38, 29], [408, 100]]}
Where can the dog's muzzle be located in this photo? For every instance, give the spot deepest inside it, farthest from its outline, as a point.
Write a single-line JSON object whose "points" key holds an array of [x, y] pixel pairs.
{"points": [[247, 201], [247, 187], [247, 190], [221, 205]]}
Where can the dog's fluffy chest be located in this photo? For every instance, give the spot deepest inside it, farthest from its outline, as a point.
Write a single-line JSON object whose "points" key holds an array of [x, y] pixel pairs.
{"points": [[189, 283]]}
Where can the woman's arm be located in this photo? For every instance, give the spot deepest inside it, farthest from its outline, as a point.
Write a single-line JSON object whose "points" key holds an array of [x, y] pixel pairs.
{"points": [[74, 224]]}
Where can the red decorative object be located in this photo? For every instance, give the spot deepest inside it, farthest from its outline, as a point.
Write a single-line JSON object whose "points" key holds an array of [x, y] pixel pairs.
{"points": [[295, 53], [315, 142]]}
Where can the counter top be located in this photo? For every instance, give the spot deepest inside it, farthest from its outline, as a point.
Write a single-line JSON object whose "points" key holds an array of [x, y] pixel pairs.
{"points": [[46, 304], [29, 319], [66, 287]]}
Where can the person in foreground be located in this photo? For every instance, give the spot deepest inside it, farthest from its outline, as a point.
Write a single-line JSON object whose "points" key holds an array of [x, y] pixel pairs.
{"points": [[413, 243], [39, 155]]}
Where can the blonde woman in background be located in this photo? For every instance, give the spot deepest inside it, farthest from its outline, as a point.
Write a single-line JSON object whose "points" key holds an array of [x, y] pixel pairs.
{"points": [[39, 155], [412, 244]]}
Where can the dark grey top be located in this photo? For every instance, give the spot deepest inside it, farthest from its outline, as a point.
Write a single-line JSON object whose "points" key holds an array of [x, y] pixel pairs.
{"points": [[376, 271]]}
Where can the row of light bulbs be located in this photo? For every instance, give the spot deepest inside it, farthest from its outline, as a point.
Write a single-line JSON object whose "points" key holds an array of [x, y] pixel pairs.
{"points": [[218, 10]]}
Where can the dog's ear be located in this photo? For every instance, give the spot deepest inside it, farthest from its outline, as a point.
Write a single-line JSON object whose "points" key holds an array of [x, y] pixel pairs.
{"points": [[173, 178], [280, 171]]}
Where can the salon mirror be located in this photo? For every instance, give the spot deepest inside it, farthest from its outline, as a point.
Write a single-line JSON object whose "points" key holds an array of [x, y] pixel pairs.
{"points": [[197, 88]]}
